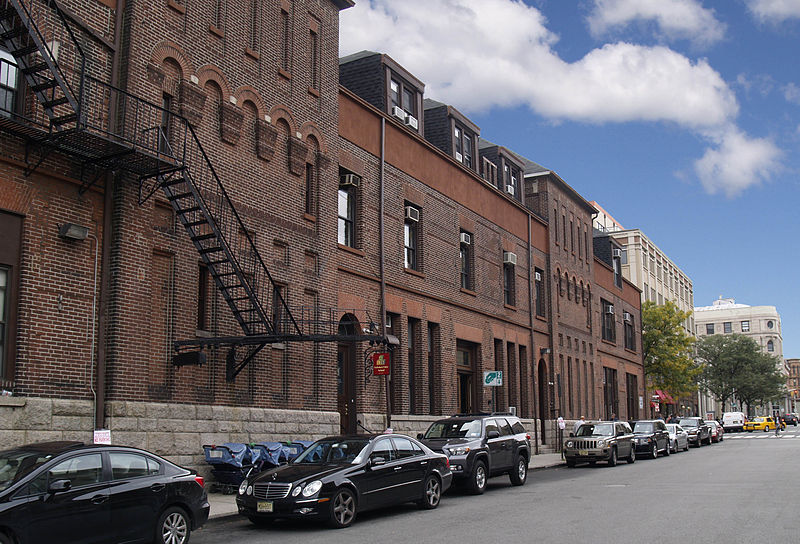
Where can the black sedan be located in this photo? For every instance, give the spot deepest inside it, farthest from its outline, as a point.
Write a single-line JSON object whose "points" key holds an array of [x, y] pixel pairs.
{"points": [[651, 437], [336, 477], [70, 493]]}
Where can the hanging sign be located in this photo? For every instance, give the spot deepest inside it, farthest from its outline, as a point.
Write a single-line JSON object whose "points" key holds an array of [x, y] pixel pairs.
{"points": [[380, 364]]}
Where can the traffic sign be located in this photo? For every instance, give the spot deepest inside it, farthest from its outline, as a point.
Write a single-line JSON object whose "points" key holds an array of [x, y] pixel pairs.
{"points": [[493, 378]]}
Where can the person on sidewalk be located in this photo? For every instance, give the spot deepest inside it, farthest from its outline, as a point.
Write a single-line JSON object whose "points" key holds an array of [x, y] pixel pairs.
{"points": [[578, 424], [561, 426]]}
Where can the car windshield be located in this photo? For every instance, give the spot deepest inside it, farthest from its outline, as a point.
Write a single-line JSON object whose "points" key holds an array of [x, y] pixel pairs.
{"points": [[689, 423], [759, 419], [642, 427], [332, 452], [455, 429], [14, 464], [599, 429]]}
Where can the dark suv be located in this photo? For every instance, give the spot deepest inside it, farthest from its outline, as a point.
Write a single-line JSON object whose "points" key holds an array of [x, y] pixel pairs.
{"points": [[480, 446], [651, 436], [698, 429]]}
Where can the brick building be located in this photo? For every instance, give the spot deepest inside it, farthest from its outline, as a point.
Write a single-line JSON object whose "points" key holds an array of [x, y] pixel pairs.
{"points": [[195, 174]]}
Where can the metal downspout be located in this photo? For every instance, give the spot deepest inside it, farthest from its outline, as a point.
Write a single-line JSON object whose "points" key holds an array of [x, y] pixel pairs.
{"points": [[534, 366], [381, 179]]}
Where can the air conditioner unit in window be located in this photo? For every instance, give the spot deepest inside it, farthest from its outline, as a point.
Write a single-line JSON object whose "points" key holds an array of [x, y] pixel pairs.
{"points": [[412, 214], [509, 258], [537, 276], [466, 238], [510, 189], [412, 122], [349, 180], [627, 316], [616, 253], [610, 310], [459, 157], [399, 112]]}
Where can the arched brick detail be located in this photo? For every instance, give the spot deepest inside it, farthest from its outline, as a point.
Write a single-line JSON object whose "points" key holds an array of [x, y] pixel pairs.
{"points": [[282, 112], [310, 128], [211, 72], [246, 93], [168, 49]]}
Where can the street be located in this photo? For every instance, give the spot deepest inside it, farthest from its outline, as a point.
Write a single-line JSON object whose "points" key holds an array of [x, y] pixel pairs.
{"points": [[740, 490]]}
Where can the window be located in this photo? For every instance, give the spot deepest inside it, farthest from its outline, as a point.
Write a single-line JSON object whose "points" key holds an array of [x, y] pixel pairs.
{"points": [[508, 284], [709, 328], [202, 298], [433, 348], [463, 145], [383, 449], [313, 46], [745, 326], [769, 324], [770, 346], [9, 83], [489, 171], [80, 470], [132, 465], [347, 216], [572, 235], [630, 337], [219, 14], [164, 126], [727, 327], [255, 25], [511, 179], [609, 325], [610, 392], [311, 208], [403, 95], [4, 311], [278, 317], [617, 271], [539, 284], [285, 40], [405, 448], [413, 331], [10, 248], [465, 369], [411, 238], [646, 292], [465, 258]]}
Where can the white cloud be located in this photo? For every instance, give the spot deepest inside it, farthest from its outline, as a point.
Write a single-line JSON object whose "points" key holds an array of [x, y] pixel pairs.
{"points": [[791, 93], [774, 11], [737, 162], [674, 19], [760, 83], [454, 46]]}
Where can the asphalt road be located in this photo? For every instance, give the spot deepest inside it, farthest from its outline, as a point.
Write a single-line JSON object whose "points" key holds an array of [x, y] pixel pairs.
{"points": [[742, 490]]}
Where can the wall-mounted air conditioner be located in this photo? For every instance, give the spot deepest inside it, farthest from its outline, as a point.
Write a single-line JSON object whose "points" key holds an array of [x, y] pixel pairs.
{"points": [[509, 258], [466, 238], [399, 112], [616, 253], [412, 214], [510, 190], [412, 122], [627, 316], [537, 276], [610, 310], [349, 180], [459, 157]]}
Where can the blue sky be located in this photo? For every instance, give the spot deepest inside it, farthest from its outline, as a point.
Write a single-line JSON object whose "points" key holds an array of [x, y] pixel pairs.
{"points": [[680, 117]]}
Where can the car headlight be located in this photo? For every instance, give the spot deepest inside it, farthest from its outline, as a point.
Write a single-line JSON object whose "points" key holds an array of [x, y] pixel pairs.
{"points": [[243, 487], [569, 443], [296, 491], [459, 451], [312, 488], [601, 444]]}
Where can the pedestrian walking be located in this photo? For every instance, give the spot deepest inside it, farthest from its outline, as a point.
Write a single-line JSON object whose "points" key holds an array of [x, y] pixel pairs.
{"points": [[561, 426], [578, 424]]}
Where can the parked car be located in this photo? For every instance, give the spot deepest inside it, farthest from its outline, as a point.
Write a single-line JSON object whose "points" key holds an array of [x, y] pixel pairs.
{"points": [[717, 431], [762, 423], [733, 421], [480, 446], [339, 476], [651, 437], [678, 438], [790, 419], [698, 429], [601, 441], [68, 492]]}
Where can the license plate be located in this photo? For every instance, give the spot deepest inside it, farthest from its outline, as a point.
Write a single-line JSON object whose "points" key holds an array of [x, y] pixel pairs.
{"points": [[215, 454], [583, 452], [264, 506]]}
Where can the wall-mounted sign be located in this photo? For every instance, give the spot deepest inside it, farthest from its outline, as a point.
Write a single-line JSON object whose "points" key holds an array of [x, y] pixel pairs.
{"points": [[493, 378], [102, 436], [380, 364]]}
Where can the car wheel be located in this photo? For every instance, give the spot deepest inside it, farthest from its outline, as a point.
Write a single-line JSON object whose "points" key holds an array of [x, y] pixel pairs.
{"points": [[432, 493], [675, 450], [687, 446], [654, 451], [261, 522], [5, 539], [632, 455], [343, 508], [519, 474], [612, 457], [477, 484], [766, 428], [173, 527], [570, 463], [666, 449]]}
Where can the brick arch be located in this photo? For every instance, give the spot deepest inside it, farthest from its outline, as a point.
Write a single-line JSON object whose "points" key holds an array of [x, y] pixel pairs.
{"points": [[282, 112], [247, 93], [210, 72], [170, 50], [309, 129]]}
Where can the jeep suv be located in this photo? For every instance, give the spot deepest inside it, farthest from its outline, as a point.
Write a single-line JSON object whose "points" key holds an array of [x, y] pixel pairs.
{"points": [[600, 441], [480, 446]]}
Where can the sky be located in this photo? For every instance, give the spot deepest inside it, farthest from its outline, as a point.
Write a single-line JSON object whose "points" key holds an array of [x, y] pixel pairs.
{"points": [[679, 117]]}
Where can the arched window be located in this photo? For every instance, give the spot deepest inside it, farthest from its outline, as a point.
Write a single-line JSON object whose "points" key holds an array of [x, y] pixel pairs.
{"points": [[770, 346]]}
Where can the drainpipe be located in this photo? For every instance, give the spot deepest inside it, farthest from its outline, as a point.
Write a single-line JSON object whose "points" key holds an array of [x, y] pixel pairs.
{"points": [[381, 180], [531, 286], [108, 203]]}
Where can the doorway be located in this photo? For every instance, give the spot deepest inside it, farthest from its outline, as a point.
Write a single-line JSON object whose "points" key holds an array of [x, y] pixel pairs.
{"points": [[465, 364], [542, 379], [346, 377]]}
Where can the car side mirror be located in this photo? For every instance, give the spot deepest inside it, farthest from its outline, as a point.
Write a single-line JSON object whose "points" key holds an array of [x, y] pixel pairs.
{"points": [[59, 486], [419, 436], [493, 434], [377, 461], [571, 435]]}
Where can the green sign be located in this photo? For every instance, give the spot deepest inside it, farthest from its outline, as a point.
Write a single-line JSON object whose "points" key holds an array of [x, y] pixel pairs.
{"points": [[493, 378]]}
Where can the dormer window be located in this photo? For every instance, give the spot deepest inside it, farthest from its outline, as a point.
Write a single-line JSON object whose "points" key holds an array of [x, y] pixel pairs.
{"points": [[403, 96], [511, 179], [489, 171], [463, 140]]}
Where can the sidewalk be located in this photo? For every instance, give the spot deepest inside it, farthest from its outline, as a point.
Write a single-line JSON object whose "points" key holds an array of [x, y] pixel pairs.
{"points": [[223, 506]]}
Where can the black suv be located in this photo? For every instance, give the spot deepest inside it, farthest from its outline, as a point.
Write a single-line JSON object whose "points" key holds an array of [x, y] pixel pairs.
{"points": [[480, 446], [651, 436], [698, 429]]}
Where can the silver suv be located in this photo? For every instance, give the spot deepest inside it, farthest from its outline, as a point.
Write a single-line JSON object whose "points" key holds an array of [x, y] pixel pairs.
{"points": [[600, 441]]}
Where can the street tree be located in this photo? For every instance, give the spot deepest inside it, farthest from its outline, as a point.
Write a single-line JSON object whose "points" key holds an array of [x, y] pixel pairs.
{"points": [[726, 361], [667, 349], [763, 383]]}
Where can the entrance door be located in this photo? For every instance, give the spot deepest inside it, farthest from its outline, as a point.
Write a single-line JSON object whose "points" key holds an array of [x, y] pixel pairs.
{"points": [[346, 389], [542, 378], [465, 363]]}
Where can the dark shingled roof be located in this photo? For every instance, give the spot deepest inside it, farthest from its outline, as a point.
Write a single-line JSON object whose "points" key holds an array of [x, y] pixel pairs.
{"points": [[356, 56]]}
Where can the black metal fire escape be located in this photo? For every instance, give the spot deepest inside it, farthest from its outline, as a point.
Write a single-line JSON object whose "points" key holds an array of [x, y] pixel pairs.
{"points": [[162, 149]]}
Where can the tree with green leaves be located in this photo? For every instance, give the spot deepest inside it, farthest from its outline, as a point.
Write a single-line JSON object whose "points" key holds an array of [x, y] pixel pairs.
{"points": [[764, 382], [667, 349]]}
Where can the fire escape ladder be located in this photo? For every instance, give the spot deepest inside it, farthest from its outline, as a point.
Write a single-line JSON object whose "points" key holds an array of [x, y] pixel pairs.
{"points": [[54, 67]]}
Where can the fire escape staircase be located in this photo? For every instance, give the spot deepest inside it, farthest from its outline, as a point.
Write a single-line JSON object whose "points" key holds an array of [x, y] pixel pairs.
{"points": [[106, 127]]}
